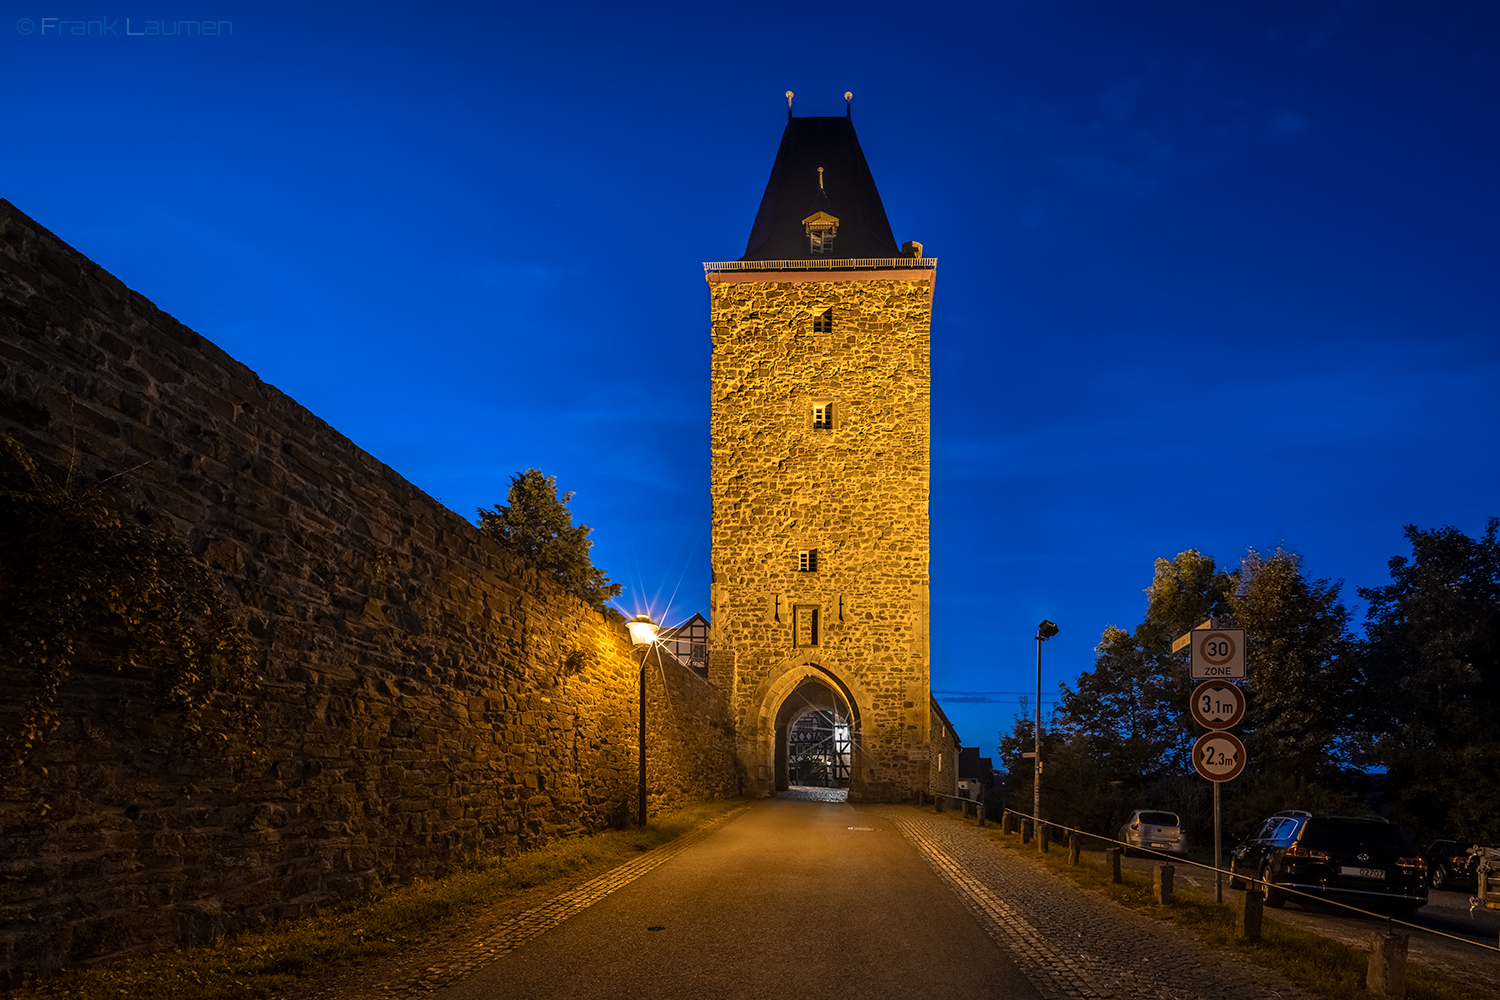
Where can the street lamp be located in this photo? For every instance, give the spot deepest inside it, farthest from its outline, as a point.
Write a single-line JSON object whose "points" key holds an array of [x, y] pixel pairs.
{"points": [[643, 634], [1044, 631]]}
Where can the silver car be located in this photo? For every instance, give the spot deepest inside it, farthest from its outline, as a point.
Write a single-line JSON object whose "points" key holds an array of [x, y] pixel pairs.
{"points": [[1155, 830]]}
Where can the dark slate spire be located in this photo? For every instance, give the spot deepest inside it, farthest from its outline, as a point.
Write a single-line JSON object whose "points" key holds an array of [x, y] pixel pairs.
{"points": [[792, 195]]}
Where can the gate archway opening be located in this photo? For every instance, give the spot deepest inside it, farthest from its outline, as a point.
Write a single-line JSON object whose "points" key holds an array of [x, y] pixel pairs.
{"points": [[817, 737]]}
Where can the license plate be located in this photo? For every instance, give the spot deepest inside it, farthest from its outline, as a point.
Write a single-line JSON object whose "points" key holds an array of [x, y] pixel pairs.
{"points": [[1363, 872]]}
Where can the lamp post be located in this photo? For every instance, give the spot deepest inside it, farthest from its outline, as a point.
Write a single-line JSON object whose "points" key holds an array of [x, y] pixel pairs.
{"points": [[1044, 631], [642, 634]]}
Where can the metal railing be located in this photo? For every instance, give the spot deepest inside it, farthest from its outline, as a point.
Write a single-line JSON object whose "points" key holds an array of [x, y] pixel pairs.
{"points": [[1238, 877], [830, 264], [964, 805]]}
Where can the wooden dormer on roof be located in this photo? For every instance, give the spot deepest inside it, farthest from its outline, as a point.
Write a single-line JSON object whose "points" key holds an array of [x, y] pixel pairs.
{"points": [[821, 229]]}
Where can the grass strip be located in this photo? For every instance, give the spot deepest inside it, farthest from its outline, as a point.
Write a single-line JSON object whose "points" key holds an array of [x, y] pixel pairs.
{"points": [[378, 925], [1318, 964]]}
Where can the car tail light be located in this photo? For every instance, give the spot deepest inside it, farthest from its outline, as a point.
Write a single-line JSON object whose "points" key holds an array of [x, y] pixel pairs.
{"points": [[1306, 853], [1412, 861]]}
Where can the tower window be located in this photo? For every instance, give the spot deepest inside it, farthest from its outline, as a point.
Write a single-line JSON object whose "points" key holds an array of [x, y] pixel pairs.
{"points": [[807, 561], [823, 321], [822, 416], [805, 625]]}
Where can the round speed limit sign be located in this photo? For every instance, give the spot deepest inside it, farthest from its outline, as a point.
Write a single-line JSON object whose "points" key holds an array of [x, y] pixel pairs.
{"points": [[1219, 756]]}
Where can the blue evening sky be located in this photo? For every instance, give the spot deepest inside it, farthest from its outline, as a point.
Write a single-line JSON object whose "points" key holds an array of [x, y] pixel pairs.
{"points": [[1216, 275]]}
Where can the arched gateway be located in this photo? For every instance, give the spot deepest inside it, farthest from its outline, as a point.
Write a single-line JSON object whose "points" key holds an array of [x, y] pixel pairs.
{"points": [[820, 472]]}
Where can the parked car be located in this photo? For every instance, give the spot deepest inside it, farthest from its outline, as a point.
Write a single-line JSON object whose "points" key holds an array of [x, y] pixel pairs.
{"points": [[1153, 829], [1451, 864], [1362, 862]]}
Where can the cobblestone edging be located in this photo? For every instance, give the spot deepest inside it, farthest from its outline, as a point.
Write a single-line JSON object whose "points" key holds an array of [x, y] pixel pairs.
{"points": [[515, 931], [1071, 943]]}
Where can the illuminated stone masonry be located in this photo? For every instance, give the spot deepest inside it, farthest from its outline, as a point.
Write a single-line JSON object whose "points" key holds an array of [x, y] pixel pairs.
{"points": [[427, 697], [820, 480]]}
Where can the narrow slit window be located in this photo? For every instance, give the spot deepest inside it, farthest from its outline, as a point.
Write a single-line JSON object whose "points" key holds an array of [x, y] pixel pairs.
{"points": [[822, 416], [805, 625], [807, 561], [823, 321]]}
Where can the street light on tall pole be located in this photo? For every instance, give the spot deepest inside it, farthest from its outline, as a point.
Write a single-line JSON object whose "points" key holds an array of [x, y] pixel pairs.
{"points": [[643, 635], [1044, 631]]}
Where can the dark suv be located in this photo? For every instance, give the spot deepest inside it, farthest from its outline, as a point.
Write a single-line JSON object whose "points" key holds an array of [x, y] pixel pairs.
{"points": [[1363, 862]]}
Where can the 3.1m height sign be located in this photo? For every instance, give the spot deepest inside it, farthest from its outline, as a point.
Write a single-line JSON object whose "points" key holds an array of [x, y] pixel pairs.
{"points": [[1218, 653]]}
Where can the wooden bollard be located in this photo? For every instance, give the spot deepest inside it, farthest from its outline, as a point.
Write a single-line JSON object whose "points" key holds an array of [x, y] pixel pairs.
{"points": [[1251, 911], [1042, 836], [1162, 884], [1025, 831], [1387, 975], [1073, 847], [1114, 864]]}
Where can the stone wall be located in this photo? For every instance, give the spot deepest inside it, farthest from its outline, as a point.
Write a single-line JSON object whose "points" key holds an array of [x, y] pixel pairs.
{"points": [[856, 492], [943, 750], [684, 712], [426, 696]]}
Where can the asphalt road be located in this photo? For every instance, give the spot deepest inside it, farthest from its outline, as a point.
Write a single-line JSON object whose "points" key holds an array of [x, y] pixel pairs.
{"points": [[787, 898]]}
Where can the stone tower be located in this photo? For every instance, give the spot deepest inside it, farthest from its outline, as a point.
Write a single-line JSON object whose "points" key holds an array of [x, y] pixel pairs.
{"points": [[820, 473]]}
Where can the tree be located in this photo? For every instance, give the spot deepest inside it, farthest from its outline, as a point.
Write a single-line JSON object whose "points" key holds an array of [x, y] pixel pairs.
{"points": [[1129, 715], [1132, 707], [538, 524], [1298, 672], [1431, 663]]}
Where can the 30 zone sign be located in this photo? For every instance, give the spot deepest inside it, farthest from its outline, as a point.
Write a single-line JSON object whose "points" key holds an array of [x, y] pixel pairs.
{"points": [[1218, 653]]}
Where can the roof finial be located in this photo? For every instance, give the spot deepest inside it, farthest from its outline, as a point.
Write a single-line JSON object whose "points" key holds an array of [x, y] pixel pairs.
{"points": [[848, 99], [820, 178], [789, 105]]}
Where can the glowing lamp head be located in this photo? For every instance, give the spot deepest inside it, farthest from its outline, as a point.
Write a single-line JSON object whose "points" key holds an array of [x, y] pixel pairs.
{"points": [[642, 630]]}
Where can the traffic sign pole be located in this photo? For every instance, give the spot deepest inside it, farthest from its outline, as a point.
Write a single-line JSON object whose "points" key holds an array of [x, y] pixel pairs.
{"points": [[1219, 756], [1218, 845], [1216, 655]]}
